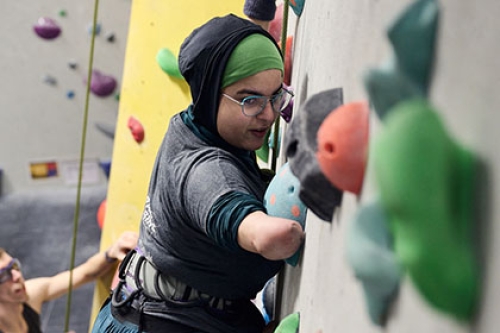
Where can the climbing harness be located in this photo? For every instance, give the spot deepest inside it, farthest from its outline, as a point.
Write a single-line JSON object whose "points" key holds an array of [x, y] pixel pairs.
{"points": [[142, 287]]}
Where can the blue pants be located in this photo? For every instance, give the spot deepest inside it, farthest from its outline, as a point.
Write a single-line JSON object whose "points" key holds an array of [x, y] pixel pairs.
{"points": [[175, 318], [105, 322]]}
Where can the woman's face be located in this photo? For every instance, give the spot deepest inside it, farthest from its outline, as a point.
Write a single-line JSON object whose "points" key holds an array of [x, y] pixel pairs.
{"points": [[239, 130], [13, 289]]}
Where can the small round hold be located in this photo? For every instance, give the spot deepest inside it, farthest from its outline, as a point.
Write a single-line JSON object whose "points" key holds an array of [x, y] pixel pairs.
{"points": [[50, 80], [47, 28], [96, 29], [72, 64], [70, 94], [110, 37]]}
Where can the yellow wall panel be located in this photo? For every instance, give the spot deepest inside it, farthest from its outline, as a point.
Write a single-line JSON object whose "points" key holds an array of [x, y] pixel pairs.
{"points": [[152, 97]]}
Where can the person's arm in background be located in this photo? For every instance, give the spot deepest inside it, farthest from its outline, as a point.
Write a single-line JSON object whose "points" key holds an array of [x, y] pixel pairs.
{"points": [[260, 12], [274, 238], [45, 289]]}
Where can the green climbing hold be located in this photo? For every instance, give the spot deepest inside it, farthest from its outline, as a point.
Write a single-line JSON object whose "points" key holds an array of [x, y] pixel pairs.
{"points": [[289, 324], [263, 152], [426, 183], [168, 63]]}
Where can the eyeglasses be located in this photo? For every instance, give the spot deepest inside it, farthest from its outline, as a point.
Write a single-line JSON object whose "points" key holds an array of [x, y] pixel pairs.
{"points": [[6, 273], [251, 106]]}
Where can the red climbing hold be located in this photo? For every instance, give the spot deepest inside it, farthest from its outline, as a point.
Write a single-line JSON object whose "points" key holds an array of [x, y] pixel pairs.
{"points": [[136, 129]]}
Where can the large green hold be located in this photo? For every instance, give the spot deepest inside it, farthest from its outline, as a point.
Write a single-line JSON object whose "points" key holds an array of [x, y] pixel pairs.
{"points": [[426, 185], [289, 324]]}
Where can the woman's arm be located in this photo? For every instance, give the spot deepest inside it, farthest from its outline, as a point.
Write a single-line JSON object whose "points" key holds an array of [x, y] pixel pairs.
{"points": [[45, 289], [273, 238]]}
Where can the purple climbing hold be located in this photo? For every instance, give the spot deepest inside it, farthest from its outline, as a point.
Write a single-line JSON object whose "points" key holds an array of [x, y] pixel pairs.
{"points": [[102, 85], [287, 112], [47, 28]]}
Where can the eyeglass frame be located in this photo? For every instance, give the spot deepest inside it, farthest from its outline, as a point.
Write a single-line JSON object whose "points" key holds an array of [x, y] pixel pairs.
{"points": [[6, 272], [267, 100]]}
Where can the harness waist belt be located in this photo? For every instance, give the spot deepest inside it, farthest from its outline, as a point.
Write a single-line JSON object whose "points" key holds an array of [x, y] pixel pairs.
{"points": [[140, 274]]}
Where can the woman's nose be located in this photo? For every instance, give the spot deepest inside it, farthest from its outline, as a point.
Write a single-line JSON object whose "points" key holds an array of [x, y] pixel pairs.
{"points": [[268, 112], [16, 275]]}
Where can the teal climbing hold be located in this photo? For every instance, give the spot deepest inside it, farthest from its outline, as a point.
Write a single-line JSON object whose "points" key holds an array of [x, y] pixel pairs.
{"points": [[94, 30], [426, 183], [387, 86], [282, 199], [371, 256], [297, 6], [408, 74], [168, 63], [413, 38]]}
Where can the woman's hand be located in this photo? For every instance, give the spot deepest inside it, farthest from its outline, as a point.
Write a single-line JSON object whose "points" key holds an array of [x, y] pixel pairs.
{"points": [[126, 242]]}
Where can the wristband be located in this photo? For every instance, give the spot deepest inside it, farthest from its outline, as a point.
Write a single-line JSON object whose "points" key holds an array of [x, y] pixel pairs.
{"points": [[108, 258]]}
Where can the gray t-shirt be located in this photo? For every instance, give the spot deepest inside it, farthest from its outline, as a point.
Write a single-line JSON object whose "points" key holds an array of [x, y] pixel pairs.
{"points": [[189, 176]]}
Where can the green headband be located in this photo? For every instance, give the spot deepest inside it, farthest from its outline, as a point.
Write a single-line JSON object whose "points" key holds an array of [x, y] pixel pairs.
{"points": [[255, 53]]}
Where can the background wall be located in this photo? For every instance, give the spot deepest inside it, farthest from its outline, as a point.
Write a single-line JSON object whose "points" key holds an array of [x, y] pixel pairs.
{"points": [[44, 217], [39, 123]]}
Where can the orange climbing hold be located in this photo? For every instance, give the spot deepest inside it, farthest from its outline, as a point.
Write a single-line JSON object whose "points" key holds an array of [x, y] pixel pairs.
{"points": [[101, 213], [343, 146], [288, 60]]}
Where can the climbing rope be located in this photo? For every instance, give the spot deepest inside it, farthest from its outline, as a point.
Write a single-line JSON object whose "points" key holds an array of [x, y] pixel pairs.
{"points": [[80, 168], [280, 278], [284, 27]]}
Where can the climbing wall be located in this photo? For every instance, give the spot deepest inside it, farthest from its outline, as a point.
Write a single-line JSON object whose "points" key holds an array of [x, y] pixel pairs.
{"points": [[43, 91], [414, 250], [149, 97]]}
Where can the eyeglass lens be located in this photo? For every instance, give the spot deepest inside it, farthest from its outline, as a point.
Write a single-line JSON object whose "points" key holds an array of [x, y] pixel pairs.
{"points": [[6, 273], [253, 105]]}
